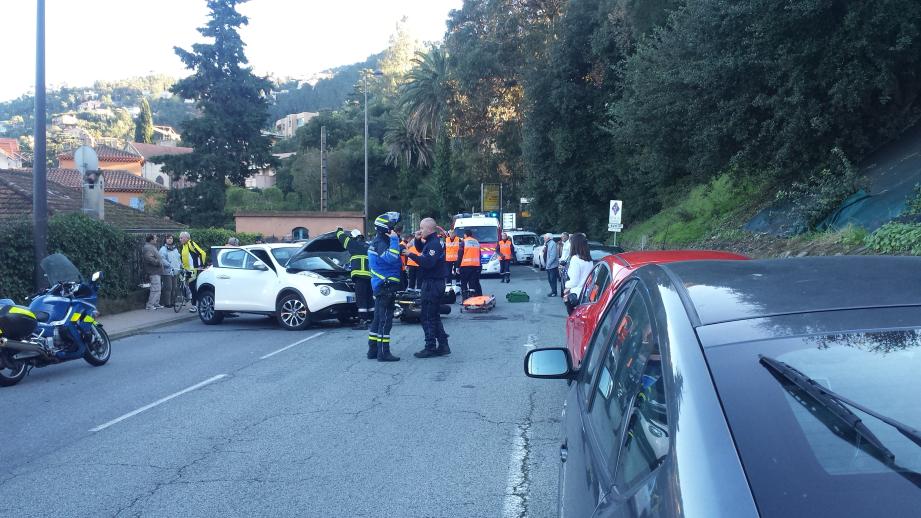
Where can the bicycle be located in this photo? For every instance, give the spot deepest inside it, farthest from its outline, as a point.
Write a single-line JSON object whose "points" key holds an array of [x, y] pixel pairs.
{"points": [[183, 294]]}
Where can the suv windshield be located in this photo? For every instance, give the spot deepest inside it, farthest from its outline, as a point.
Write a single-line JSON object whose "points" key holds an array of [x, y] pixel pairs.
{"points": [[526, 240], [282, 254], [790, 444], [313, 264], [481, 234]]}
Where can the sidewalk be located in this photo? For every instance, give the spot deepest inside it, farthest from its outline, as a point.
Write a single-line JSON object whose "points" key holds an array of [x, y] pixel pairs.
{"points": [[120, 325]]}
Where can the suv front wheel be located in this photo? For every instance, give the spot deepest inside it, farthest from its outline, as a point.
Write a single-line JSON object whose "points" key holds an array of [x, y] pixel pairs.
{"points": [[292, 312]]}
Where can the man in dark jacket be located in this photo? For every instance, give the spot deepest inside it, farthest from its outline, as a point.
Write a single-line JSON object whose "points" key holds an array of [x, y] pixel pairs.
{"points": [[153, 267], [432, 272], [354, 243]]}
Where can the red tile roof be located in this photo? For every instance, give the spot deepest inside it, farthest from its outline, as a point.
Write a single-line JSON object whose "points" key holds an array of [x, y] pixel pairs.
{"points": [[116, 181], [107, 154], [10, 146], [16, 203], [151, 150]]}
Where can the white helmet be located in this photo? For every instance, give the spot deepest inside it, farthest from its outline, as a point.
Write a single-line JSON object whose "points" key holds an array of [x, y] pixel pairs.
{"points": [[356, 233]]}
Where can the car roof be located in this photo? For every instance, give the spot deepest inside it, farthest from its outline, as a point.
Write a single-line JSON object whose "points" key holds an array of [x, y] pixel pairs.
{"points": [[273, 245], [476, 221], [633, 260], [726, 291], [519, 232]]}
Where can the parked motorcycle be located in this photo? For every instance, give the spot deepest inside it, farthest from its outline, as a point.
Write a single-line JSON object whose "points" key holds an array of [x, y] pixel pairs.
{"points": [[58, 326]]}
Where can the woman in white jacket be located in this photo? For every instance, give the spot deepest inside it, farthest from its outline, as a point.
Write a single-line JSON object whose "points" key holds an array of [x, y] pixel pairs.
{"points": [[580, 265]]}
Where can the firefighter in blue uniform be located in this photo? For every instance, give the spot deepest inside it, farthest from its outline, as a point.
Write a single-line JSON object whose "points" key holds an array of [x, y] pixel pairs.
{"points": [[384, 259], [354, 243], [432, 272]]}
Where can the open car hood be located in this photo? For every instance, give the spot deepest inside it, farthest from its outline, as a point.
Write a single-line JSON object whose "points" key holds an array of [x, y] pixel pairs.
{"points": [[325, 246]]}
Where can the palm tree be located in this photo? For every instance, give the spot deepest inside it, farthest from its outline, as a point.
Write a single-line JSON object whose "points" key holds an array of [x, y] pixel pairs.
{"points": [[403, 145], [426, 92]]}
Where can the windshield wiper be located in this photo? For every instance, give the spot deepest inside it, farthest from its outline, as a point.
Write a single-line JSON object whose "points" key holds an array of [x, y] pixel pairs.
{"points": [[835, 403]]}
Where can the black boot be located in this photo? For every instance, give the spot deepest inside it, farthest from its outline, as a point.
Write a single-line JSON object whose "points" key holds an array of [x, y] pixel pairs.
{"points": [[372, 350], [428, 352], [383, 354], [443, 349]]}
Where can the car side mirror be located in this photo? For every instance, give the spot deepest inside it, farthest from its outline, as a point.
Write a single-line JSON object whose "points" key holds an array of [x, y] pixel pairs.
{"points": [[548, 363], [96, 276], [261, 266]]}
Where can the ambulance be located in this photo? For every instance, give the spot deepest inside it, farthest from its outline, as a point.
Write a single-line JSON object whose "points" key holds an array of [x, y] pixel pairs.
{"points": [[487, 231]]}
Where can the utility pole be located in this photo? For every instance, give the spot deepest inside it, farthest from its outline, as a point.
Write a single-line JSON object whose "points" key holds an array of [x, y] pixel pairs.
{"points": [[39, 180], [324, 172], [367, 73]]}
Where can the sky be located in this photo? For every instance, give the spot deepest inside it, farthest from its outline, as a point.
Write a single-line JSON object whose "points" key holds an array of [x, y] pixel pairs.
{"points": [[89, 40]]}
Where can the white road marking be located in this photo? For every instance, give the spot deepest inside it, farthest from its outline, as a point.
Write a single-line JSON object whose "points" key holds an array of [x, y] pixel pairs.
{"points": [[285, 348], [516, 486], [158, 402], [531, 343]]}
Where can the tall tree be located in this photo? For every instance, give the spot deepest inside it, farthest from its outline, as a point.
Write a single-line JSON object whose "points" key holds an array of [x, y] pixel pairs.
{"points": [[143, 128], [426, 93], [226, 138]]}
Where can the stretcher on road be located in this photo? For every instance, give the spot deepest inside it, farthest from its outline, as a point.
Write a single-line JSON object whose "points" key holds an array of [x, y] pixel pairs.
{"points": [[479, 304]]}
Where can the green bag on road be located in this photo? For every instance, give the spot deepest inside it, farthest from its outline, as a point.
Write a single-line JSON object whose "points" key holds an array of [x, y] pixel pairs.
{"points": [[517, 296]]}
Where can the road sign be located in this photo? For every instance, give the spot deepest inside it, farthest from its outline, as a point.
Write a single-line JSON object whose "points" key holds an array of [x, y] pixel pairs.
{"points": [[492, 194], [615, 211], [509, 220], [615, 228]]}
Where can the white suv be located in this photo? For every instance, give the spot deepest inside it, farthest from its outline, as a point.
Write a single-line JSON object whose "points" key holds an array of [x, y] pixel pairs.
{"points": [[524, 242], [296, 283]]}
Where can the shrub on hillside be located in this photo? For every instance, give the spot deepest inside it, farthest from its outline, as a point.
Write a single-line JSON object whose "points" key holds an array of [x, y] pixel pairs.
{"points": [[896, 238]]}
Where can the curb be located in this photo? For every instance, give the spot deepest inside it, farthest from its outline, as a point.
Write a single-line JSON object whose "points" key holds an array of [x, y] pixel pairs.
{"points": [[147, 327]]}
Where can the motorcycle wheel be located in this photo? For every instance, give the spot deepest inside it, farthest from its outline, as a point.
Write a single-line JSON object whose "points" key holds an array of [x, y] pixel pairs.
{"points": [[11, 371], [98, 352]]}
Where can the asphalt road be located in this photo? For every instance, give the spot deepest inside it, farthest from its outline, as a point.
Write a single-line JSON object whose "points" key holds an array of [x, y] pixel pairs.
{"points": [[244, 419]]}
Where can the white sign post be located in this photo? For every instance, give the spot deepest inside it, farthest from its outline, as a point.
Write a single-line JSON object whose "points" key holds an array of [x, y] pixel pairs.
{"points": [[509, 220], [615, 214]]}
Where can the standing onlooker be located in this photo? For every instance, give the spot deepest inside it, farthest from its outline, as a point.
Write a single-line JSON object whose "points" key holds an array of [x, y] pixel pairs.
{"points": [[580, 265], [565, 247], [193, 261], [153, 268], [552, 263], [172, 263], [232, 241]]}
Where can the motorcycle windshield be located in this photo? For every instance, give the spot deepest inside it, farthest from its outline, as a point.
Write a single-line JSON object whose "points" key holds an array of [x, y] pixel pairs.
{"points": [[58, 269]]}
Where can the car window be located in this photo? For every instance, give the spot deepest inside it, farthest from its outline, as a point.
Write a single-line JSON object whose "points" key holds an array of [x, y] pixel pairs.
{"points": [[619, 376], [603, 334], [231, 258], [263, 256], [524, 240], [592, 290], [282, 254]]}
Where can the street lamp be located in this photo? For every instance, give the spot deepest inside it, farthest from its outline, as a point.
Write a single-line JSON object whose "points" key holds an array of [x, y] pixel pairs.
{"points": [[375, 73]]}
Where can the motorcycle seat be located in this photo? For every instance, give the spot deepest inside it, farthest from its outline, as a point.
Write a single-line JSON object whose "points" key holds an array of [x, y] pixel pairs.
{"points": [[42, 316]]}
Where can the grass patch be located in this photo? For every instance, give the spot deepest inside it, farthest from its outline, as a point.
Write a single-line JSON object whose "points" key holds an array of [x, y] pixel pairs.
{"points": [[708, 210]]}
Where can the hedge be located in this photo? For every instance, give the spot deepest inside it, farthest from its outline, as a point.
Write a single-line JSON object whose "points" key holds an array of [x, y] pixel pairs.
{"points": [[92, 246], [896, 238]]}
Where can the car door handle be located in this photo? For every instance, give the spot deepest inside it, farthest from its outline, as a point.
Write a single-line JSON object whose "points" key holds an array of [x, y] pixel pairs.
{"points": [[222, 276], [564, 453]]}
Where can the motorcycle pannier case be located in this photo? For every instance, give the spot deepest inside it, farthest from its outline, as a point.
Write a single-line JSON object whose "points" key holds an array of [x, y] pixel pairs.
{"points": [[16, 322]]}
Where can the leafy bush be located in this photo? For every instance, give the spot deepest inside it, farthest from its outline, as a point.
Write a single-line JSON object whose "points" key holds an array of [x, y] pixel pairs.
{"points": [[91, 245], [896, 238], [821, 193]]}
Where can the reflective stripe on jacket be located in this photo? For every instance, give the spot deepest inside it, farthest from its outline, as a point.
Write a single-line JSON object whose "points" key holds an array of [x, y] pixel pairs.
{"points": [[505, 249], [192, 256], [452, 249], [384, 259], [471, 253], [358, 252]]}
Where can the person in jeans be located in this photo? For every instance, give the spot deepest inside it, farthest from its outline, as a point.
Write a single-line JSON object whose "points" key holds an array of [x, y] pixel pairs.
{"points": [[552, 263], [172, 263], [153, 268]]}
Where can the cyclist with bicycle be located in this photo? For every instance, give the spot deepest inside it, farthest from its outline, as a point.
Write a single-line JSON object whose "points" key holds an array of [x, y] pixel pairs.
{"points": [[172, 264], [193, 261]]}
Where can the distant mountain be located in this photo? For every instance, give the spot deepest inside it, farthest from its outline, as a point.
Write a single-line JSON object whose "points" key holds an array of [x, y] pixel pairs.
{"points": [[333, 88]]}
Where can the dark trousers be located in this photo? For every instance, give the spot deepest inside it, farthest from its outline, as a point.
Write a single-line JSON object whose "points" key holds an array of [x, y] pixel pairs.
{"points": [[412, 274], [363, 297], [553, 276], [379, 331], [168, 290], [432, 292], [470, 281], [505, 269], [193, 287]]}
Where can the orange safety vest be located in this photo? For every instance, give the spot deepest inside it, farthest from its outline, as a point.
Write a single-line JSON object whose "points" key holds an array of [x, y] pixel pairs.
{"points": [[402, 257], [471, 253], [505, 250], [452, 248], [413, 250]]}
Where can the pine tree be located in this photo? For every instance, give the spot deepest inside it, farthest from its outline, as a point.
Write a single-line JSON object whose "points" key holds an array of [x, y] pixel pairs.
{"points": [[226, 138], [143, 128]]}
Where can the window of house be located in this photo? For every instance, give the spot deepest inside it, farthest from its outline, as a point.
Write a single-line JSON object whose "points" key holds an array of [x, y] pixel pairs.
{"points": [[160, 180], [300, 233], [137, 202]]}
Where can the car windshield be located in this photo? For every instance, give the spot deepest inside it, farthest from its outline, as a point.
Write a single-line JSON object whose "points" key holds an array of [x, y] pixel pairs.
{"points": [[284, 253], [789, 442], [481, 234], [526, 240], [58, 268], [313, 263]]}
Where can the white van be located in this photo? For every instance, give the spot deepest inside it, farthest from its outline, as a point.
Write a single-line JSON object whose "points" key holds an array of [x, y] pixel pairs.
{"points": [[485, 230], [524, 242]]}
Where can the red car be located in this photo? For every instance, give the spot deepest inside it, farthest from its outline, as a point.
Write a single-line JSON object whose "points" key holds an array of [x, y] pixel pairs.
{"points": [[604, 280]]}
